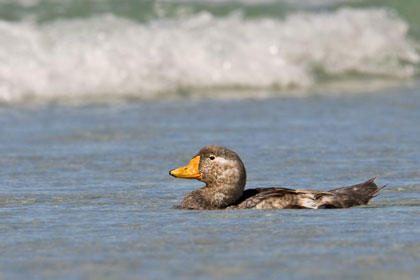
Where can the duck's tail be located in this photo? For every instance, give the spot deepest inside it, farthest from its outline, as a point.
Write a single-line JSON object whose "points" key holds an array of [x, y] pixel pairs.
{"points": [[358, 194]]}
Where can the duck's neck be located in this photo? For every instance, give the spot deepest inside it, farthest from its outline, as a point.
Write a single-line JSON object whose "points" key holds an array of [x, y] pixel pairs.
{"points": [[213, 197], [221, 196]]}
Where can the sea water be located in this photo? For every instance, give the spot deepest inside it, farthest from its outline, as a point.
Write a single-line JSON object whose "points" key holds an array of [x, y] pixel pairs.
{"points": [[100, 100], [85, 191]]}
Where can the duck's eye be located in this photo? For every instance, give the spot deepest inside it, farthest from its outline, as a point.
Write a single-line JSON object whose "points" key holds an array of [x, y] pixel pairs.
{"points": [[212, 157]]}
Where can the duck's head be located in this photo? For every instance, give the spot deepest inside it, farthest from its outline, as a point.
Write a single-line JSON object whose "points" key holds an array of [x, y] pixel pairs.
{"points": [[216, 166]]}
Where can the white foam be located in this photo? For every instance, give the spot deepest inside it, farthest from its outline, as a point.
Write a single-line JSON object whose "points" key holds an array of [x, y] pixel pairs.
{"points": [[110, 57]]}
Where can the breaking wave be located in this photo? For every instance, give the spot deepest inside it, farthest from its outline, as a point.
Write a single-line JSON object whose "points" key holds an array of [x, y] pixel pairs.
{"points": [[107, 56]]}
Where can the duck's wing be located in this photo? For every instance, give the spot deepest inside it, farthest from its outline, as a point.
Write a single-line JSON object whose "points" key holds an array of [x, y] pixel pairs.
{"points": [[279, 198]]}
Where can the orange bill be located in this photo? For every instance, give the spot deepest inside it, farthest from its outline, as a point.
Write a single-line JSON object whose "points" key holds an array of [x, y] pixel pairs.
{"points": [[190, 171]]}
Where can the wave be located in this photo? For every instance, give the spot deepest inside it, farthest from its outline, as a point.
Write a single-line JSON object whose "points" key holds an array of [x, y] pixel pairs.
{"points": [[107, 56]]}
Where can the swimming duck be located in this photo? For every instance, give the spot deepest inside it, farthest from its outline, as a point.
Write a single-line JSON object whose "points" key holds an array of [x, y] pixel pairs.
{"points": [[224, 174]]}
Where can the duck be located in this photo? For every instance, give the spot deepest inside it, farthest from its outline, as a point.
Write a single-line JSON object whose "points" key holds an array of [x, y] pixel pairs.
{"points": [[224, 175]]}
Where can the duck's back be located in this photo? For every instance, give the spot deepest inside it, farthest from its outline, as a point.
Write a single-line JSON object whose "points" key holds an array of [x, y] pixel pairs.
{"points": [[283, 198]]}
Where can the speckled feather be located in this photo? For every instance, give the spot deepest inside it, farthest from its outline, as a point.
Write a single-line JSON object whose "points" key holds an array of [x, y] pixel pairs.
{"points": [[283, 198]]}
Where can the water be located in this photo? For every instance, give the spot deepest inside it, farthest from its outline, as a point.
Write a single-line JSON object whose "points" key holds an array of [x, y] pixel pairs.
{"points": [[85, 191], [100, 99]]}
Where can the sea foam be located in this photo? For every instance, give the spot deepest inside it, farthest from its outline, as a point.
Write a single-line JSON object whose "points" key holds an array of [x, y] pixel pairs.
{"points": [[107, 57]]}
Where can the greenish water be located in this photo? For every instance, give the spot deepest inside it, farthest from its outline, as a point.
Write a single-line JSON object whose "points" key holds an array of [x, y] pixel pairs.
{"points": [[143, 11], [85, 191]]}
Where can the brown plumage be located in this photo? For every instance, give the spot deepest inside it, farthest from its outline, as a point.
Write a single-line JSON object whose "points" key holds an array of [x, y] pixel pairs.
{"points": [[224, 174]]}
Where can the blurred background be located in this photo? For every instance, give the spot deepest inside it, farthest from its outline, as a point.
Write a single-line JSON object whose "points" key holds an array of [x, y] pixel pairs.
{"points": [[73, 50]]}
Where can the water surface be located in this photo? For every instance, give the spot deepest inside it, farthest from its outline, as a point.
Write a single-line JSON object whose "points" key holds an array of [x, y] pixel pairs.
{"points": [[85, 191]]}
